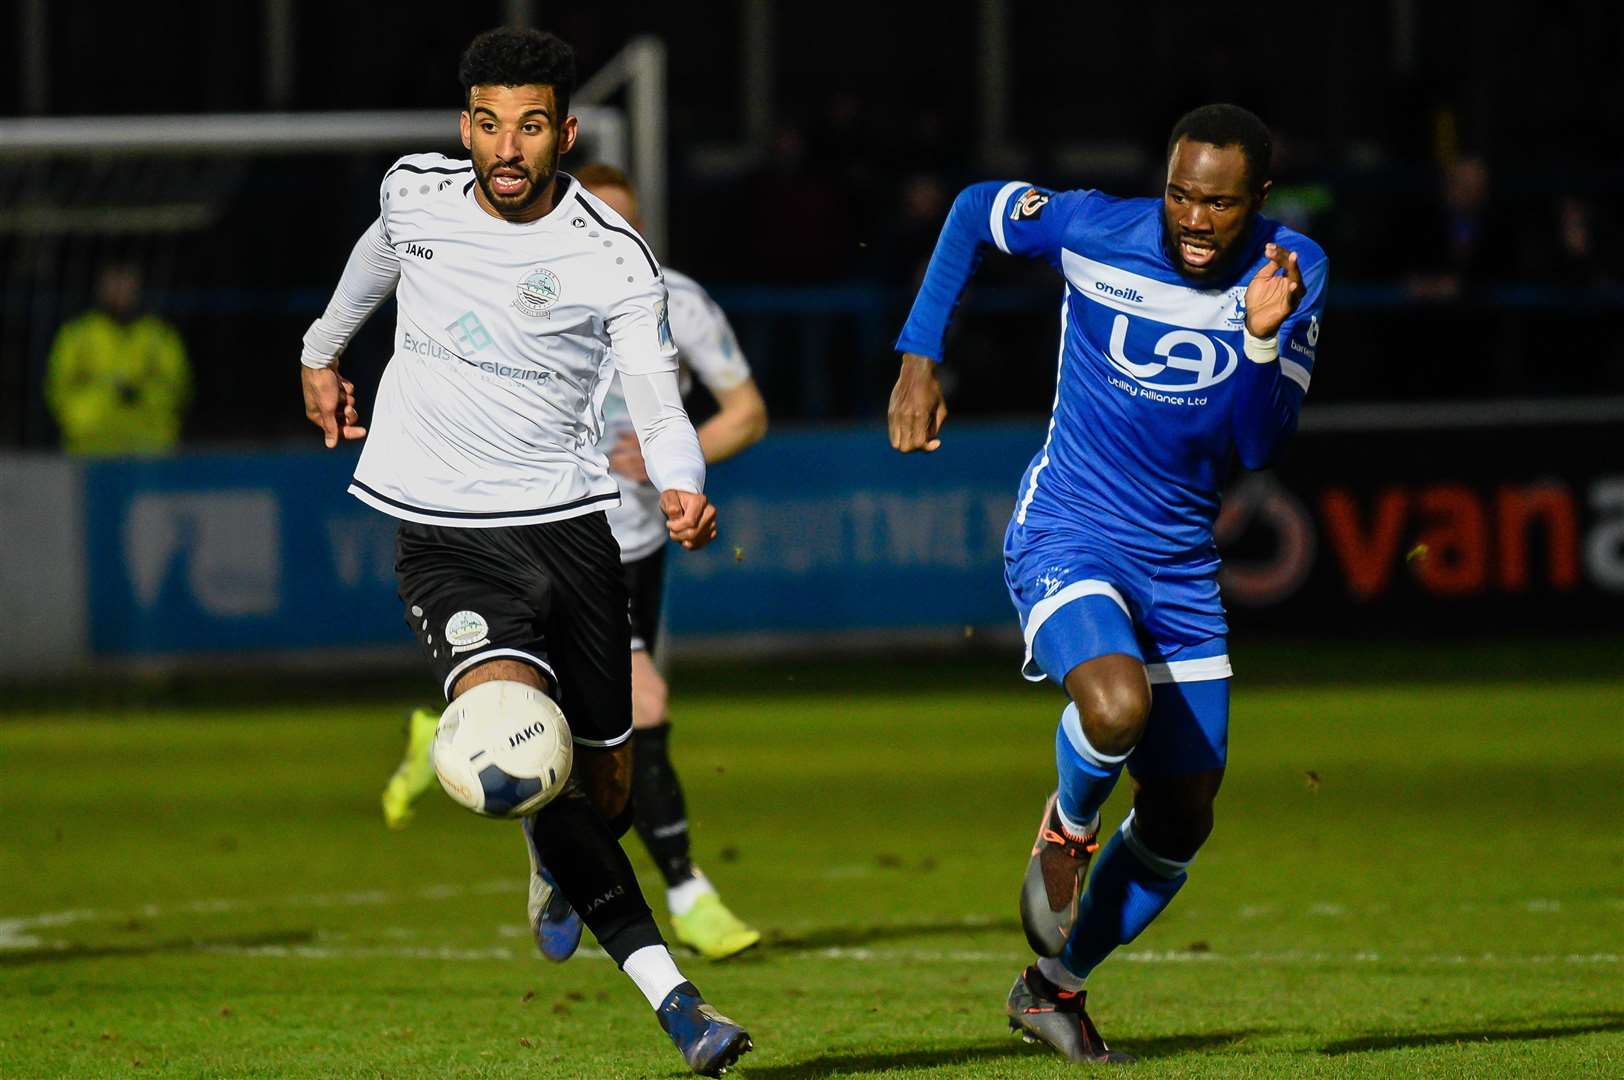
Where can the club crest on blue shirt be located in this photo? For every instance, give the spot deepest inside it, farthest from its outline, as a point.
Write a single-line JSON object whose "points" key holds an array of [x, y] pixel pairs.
{"points": [[1237, 317], [537, 292], [1030, 205]]}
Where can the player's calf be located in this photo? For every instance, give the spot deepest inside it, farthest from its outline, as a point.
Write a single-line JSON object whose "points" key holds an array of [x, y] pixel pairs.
{"points": [[698, 917], [1066, 837], [1131, 884]]}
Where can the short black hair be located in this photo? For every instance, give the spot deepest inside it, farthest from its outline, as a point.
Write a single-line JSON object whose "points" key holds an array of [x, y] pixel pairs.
{"points": [[1229, 125], [510, 56]]}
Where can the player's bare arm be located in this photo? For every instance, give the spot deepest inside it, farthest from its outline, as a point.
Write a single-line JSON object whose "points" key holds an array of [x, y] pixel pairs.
{"points": [[739, 423], [1274, 292], [330, 404], [626, 458], [689, 517], [917, 410]]}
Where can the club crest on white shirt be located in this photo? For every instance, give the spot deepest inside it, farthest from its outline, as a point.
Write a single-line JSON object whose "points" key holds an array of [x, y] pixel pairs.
{"points": [[537, 292]]}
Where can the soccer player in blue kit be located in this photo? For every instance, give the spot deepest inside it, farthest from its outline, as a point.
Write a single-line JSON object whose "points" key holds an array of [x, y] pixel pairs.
{"points": [[1187, 338]]}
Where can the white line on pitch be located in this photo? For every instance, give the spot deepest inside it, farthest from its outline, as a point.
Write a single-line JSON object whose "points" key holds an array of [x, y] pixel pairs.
{"points": [[14, 932], [939, 956]]}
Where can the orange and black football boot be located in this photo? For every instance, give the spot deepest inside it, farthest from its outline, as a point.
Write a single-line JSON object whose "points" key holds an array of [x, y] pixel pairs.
{"points": [[1039, 1011], [1054, 881]]}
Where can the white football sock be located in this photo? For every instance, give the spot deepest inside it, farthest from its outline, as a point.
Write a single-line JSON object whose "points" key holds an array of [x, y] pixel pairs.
{"points": [[1052, 969], [679, 899], [1074, 830], [654, 972]]}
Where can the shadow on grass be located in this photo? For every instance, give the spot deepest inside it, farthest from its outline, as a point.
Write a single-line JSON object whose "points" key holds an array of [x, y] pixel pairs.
{"points": [[983, 1053], [825, 1064], [1174, 1045], [27, 957], [832, 937], [1602, 1022]]}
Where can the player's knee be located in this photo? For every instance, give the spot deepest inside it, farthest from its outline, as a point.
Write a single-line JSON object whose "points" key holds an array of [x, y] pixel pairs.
{"points": [[606, 778], [611, 797], [1114, 715], [1176, 836], [1175, 819]]}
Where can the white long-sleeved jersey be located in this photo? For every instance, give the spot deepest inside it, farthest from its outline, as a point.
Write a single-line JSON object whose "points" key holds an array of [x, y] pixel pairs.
{"points": [[705, 346], [507, 339]]}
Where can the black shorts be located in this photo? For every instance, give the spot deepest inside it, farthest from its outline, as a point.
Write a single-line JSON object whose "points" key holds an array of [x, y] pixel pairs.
{"points": [[550, 595], [645, 587]]}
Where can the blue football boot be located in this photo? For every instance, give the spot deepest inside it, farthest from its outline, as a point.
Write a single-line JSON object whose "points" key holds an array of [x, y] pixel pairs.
{"points": [[556, 926], [710, 1042]]}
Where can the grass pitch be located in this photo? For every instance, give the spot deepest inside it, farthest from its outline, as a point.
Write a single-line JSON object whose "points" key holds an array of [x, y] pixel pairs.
{"points": [[1410, 877]]}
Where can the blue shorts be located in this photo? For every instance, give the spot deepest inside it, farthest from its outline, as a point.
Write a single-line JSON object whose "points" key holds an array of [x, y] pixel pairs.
{"points": [[1079, 600]]}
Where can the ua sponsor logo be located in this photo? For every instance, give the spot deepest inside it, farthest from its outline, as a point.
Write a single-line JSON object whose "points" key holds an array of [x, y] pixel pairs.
{"points": [[1178, 350], [1029, 206], [420, 251], [1313, 331]]}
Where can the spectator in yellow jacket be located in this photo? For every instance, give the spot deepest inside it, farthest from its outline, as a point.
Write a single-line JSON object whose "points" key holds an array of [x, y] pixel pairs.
{"points": [[118, 381]]}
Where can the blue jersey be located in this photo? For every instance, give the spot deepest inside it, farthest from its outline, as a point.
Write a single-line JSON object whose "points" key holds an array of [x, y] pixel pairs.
{"points": [[1154, 395]]}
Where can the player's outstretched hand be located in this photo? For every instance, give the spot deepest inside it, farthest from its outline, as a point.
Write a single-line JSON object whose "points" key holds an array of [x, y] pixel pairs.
{"points": [[1274, 292], [689, 518], [627, 458], [917, 410], [329, 400]]}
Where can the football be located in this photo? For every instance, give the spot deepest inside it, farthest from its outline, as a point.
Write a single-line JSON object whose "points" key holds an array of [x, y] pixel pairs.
{"points": [[503, 749]]}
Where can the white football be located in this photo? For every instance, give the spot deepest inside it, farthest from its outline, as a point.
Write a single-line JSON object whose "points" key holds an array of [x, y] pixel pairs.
{"points": [[503, 749]]}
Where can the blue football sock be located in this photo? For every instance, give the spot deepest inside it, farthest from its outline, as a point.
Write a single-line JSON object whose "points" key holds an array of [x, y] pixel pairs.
{"points": [[1086, 775], [1128, 886]]}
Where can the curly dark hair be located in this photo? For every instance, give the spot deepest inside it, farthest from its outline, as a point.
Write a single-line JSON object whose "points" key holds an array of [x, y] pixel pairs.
{"points": [[510, 56], [1229, 125]]}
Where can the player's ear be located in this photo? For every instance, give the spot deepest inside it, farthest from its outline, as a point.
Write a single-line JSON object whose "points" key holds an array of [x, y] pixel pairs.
{"points": [[566, 135], [1263, 193], [466, 123]]}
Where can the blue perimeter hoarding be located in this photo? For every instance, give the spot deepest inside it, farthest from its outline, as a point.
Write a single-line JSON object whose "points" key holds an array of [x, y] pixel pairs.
{"points": [[826, 531], [1449, 525]]}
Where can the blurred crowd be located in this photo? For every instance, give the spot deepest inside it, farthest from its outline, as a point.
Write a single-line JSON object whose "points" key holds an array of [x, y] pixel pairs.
{"points": [[1467, 220]]}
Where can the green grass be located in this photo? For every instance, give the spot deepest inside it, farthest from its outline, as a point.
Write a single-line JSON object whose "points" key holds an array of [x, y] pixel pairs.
{"points": [[210, 892]]}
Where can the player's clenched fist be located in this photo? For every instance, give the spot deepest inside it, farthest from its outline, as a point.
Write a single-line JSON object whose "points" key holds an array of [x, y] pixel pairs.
{"points": [[329, 401], [689, 518], [917, 410]]}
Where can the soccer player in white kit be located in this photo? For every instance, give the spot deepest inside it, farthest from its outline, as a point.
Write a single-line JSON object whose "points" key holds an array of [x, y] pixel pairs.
{"points": [[708, 349], [520, 298]]}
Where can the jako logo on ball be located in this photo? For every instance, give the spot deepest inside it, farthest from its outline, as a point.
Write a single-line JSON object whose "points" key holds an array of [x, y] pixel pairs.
{"points": [[528, 733]]}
